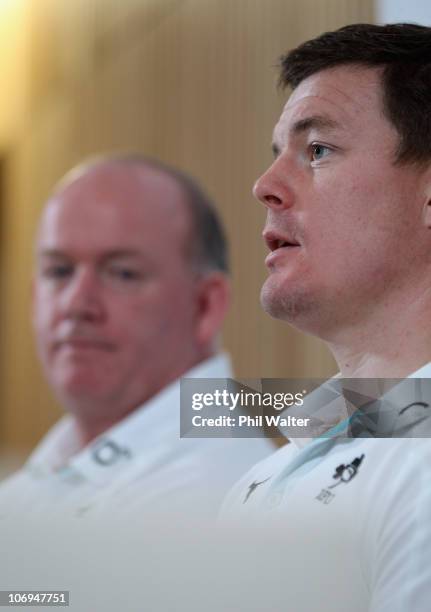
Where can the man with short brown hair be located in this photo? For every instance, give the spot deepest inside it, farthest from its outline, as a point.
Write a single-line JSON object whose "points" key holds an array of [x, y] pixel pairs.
{"points": [[348, 201]]}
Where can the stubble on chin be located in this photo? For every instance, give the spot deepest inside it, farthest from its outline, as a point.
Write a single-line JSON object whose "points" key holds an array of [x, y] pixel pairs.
{"points": [[285, 305]]}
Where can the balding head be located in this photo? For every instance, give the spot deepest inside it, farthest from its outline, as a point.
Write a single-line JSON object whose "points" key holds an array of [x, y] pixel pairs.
{"points": [[207, 248]]}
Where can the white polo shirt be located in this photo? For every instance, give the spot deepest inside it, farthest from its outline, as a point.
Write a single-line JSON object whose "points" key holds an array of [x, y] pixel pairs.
{"points": [[354, 520], [139, 464]]}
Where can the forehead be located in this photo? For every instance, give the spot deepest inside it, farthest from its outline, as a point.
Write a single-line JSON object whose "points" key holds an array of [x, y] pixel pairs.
{"points": [[116, 206], [348, 96]]}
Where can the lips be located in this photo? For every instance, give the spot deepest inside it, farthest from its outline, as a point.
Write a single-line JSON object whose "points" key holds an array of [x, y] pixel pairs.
{"points": [[279, 244], [275, 240], [84, 344]]}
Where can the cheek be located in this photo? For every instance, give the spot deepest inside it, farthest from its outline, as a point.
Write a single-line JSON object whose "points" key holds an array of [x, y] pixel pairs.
{"points": [[360, 238], [150, 320], [43, 314], [358, 210]]}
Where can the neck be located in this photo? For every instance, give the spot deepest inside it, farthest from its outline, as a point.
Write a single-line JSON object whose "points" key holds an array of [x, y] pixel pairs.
{"points": [[392, 343]]}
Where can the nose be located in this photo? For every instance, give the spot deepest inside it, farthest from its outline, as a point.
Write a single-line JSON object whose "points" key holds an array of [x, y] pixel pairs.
{"points": [[81, 296], [272, 188]]}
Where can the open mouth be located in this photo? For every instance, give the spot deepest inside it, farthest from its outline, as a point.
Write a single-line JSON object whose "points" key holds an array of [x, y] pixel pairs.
{"points": [[275, 241], [280, 244]]}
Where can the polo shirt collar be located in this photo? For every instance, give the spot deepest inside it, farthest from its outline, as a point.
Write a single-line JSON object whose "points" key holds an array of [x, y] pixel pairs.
{"points": [[327, 406]]}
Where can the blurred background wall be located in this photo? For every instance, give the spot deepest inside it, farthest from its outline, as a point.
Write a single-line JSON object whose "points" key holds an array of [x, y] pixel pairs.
{"points": [[191, 82], [414, 11]]}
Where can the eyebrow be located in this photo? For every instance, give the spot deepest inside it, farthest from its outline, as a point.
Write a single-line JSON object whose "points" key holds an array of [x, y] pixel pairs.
{"points": [[41, 252], [315, 121], [108, 255], [321, 122]]}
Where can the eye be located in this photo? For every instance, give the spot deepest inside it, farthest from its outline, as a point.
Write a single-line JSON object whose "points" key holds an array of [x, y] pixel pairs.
{"points": [[124, 273], [318, 151], [57, 271]]}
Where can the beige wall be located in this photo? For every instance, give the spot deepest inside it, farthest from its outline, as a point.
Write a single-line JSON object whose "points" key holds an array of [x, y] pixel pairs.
{"points": [[188, 81]]}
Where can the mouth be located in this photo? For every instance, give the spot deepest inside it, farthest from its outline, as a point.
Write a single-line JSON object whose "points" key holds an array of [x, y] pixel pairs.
{"points": [[279, 245], [274, 245], [84, 344], [275, 241]]}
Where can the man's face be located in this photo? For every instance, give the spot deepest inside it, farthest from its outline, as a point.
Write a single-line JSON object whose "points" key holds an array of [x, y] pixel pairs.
{"points": [[350, 219], [115, 302]]}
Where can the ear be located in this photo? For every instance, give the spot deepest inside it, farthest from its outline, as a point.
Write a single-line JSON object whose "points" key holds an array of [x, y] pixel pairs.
{"points": [[213, 302], [426, 213]]}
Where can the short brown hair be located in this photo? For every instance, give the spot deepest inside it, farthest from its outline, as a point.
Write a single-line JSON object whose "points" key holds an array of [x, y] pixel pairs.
{"points": [[402, 50]]}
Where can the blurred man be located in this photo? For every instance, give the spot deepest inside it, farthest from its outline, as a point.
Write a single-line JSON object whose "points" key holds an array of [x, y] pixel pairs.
{"points": [[130, 293], [348, 201]]}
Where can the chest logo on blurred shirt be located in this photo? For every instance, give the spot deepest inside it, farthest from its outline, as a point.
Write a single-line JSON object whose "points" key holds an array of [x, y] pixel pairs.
{"points": [[253, 488], [343, 473], [108, 452]]}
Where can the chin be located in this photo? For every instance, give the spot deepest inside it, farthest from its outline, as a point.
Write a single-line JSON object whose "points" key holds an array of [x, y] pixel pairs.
{"points": [[78, 386], [289, 304]]}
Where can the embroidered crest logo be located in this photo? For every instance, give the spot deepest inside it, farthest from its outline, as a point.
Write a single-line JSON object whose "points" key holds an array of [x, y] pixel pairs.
{"points": [[343, 473], [107, 452]]}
